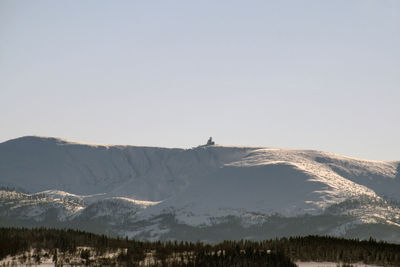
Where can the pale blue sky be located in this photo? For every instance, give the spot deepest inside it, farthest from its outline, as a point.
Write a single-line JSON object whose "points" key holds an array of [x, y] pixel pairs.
{"points": [[298, 74]]}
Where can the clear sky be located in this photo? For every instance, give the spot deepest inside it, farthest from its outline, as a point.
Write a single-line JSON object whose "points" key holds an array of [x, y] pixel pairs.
{"points": [[307, 74]]}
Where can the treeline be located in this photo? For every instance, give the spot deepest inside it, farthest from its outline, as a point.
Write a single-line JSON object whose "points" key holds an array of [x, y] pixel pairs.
{"points": [[317, 248], [61, 245]]}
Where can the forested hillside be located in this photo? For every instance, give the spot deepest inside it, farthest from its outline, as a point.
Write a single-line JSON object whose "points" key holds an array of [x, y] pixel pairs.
{"points": [[32, 246]]}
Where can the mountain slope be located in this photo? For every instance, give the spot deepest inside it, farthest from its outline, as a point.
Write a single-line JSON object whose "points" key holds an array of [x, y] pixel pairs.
{"points": [[37, 163], [207, 191]]}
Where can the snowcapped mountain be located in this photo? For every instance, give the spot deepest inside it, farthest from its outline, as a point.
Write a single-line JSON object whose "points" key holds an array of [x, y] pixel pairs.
{"points": [[205, 193]]}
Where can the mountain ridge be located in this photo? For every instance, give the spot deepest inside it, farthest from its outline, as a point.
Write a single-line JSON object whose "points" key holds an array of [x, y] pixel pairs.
{"points": [[193, 188]]}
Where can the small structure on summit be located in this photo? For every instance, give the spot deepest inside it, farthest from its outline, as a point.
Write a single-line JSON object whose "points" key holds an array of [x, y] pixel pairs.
{"points": [[210, 142]]}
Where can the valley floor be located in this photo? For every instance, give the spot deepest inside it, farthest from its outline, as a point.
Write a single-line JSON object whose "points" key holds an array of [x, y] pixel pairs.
{"points": [[10, 261], [329, 264]]}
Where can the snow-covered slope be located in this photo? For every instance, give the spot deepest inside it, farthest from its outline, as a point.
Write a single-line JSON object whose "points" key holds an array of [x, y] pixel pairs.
{"points": [[151, 192], [37, 163], [37, 207]]}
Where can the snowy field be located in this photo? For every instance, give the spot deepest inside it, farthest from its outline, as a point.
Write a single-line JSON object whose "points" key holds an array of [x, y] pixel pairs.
{"points": [[299, 264], [329, 264]]}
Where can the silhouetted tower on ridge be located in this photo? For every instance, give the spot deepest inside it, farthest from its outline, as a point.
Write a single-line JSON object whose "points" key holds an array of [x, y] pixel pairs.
{"points": [[210, 142]]}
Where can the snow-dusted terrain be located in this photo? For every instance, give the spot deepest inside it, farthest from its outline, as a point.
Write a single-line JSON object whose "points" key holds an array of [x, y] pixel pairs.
{"points": [[208, 192]]}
